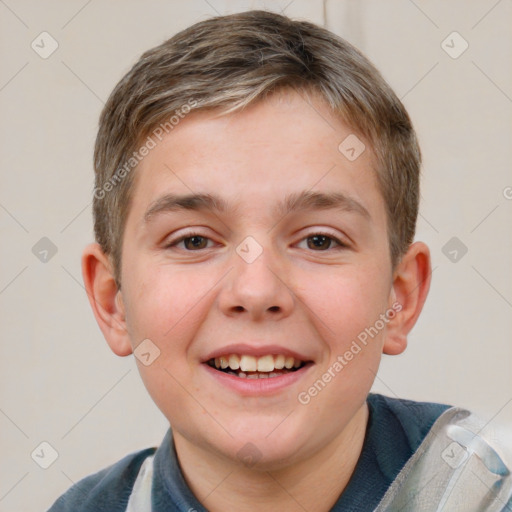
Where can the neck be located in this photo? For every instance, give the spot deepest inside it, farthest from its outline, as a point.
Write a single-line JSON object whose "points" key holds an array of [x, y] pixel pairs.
{"points": [[313, 483]]}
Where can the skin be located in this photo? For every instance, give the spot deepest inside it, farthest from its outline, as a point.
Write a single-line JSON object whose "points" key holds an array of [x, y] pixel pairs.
{"points": [[313, 301]]}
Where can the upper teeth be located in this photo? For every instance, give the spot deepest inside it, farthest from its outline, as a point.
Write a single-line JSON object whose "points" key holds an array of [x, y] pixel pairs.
{"points": [[247, 363]]}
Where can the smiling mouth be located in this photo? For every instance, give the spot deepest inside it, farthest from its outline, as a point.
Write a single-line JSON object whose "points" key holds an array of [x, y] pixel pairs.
{"points": [[250, 367]]}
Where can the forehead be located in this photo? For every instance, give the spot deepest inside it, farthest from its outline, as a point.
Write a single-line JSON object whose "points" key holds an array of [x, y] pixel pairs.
{"points": [[262, 155]]}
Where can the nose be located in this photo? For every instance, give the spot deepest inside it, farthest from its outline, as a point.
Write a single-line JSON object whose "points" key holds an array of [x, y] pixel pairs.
{"points": [[257, 290]]}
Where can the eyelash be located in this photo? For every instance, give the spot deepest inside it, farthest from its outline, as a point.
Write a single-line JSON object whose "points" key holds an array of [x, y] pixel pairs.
{"points": [[340, 245]]}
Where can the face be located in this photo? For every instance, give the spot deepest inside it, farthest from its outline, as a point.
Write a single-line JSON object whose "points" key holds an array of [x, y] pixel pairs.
{"points": [[255, 257]]}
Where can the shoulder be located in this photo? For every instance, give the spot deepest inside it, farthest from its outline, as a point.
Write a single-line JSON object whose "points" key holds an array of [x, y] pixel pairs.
{"points": [[396, 429], [407, 408], [107, 490], [457, 467], [419, 416], [413, 419]]}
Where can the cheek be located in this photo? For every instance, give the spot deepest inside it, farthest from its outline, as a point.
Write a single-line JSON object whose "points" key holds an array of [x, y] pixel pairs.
{"points": [[346, 305], [345, 302], [162, 304], [167, 309]]}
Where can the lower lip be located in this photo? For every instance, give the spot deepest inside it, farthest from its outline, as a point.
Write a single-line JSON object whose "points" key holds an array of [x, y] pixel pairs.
{"points": [[258, 387]]}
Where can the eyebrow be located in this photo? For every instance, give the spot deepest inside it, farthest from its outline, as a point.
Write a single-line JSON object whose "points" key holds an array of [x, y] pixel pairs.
{"points": [[305, 200]]}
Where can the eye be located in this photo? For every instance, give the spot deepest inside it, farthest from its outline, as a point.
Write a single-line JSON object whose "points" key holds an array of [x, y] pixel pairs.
{"points": [[322, 242], [191, 242]]}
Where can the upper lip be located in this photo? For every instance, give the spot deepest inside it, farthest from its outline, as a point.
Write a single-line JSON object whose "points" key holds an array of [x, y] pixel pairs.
{"points": [[256, 351]]}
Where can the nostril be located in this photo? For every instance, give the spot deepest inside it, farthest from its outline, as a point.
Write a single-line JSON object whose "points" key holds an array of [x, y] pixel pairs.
{"points": [[272, 309]]}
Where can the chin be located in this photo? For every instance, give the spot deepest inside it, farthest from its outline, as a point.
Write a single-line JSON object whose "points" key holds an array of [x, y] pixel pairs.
{"points": [[269, 457], [261, 448]]}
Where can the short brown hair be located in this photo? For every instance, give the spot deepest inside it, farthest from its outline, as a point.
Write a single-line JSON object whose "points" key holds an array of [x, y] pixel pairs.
{"points": [[228, 62]]}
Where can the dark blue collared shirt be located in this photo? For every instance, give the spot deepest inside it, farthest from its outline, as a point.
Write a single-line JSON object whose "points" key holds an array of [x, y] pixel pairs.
{"points": [[395, 430]]}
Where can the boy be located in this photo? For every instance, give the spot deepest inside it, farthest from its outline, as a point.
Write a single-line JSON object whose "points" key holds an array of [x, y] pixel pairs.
{"points": [[257, 188]]}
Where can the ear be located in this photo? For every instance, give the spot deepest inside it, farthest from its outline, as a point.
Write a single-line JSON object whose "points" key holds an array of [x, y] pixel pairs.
{"points": [[411, 282], [105, 299]]}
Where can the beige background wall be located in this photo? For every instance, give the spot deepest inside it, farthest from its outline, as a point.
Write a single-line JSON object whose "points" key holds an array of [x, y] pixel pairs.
{"points": [[59, 381]]}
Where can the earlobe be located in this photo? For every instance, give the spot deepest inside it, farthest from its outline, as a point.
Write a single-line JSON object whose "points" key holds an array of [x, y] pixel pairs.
{"points": [[105, 299], [410, 289]]}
